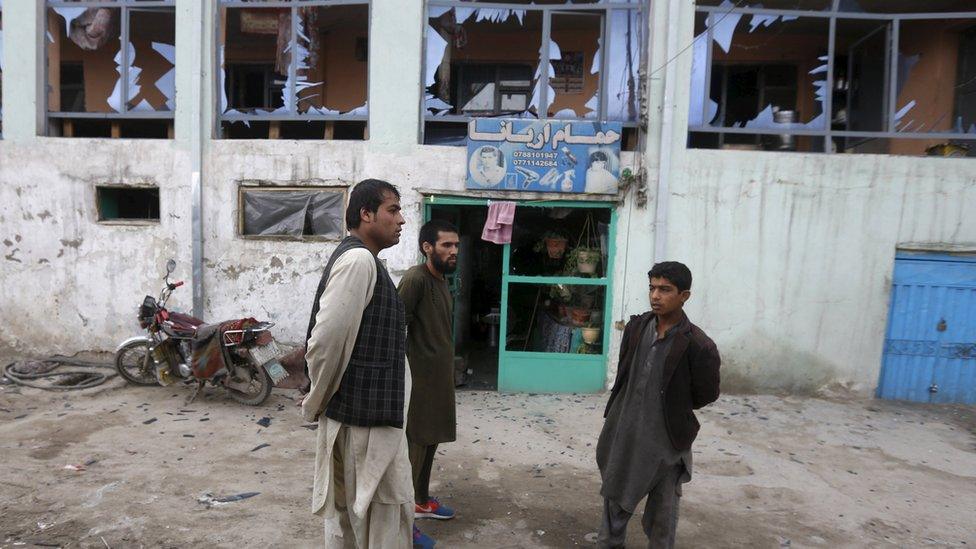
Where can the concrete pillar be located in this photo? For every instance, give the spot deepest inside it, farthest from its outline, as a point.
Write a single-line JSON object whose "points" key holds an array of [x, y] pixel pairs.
{"points": [[23, 77], [395, 48], [196, 69]]}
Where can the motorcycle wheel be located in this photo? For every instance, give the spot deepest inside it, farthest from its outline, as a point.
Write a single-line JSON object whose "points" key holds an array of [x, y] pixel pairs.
{"points": [[260, 390], [134, 363]]}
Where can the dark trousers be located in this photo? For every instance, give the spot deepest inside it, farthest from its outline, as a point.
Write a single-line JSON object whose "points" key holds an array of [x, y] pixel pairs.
{"points": [[421, 462], [660, 519]]}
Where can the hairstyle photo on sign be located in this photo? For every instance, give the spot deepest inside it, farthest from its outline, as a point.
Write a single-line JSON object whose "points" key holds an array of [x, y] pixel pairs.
{"points": [[487, 166], [601, 167]]}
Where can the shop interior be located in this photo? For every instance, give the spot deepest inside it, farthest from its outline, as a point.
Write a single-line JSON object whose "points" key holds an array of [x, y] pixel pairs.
{"points": [[542, 317]]}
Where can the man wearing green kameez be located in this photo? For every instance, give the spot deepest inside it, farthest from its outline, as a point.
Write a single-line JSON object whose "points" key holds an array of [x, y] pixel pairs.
{"points": [[429, 309]]}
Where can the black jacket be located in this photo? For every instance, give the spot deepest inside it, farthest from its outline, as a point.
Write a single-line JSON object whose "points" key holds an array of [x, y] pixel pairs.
{"points": [[691, 377]]}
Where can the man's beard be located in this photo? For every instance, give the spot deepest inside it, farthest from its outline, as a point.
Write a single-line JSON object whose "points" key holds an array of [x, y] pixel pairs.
{"points": [[443, 266]]}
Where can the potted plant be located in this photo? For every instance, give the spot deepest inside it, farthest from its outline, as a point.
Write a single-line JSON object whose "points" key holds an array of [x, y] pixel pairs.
{"points": [[584, 258], [591, 333]]}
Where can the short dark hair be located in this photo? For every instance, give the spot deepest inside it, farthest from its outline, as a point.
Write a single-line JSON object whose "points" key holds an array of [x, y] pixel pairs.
{"points": [[676, 273], [431, 230], [368, 195], [599, 155]]}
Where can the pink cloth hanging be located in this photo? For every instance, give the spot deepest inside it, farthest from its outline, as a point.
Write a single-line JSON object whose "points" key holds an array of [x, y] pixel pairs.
{"points": [[498, 226]]}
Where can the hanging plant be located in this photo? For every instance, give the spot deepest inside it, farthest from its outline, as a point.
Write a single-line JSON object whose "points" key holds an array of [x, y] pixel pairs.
{"points": [[584, 258]]}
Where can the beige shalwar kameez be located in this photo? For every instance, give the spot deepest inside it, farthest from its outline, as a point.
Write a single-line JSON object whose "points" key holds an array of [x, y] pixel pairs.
{"points": [[363, 485]]}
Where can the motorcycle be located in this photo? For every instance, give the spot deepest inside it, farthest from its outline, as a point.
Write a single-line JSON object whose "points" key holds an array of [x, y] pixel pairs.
{"points": [[240, 355]]}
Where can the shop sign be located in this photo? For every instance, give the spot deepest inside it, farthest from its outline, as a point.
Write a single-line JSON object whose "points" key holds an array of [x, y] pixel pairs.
{"points": [[557, 156]]}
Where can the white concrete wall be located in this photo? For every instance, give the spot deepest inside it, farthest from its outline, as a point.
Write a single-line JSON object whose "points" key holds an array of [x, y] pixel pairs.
{"points": [[69, 283]]}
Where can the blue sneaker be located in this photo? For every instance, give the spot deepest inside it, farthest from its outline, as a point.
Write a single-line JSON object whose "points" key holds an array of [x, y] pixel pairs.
{"points": [[422, 540], [433, 509]]}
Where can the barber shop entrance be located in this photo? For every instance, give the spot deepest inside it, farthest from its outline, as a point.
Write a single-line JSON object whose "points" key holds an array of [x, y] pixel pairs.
{"points": [[532, 315]]}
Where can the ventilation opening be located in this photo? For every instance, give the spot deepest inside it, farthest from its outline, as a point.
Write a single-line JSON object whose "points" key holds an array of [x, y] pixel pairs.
{"points": [[128, 203]]}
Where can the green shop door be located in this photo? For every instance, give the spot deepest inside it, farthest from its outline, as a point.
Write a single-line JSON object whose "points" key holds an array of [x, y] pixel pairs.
{"points": [[555, 282]]}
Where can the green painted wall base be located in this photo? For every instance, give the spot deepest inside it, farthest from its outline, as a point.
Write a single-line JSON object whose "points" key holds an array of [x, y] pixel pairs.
{"points": [[546, 373]]}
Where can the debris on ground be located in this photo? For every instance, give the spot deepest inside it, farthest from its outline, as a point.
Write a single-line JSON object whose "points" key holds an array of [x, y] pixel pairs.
{"points": [[259, 446], [211, 500], [74, 467], [264, 422], [148, 421]]}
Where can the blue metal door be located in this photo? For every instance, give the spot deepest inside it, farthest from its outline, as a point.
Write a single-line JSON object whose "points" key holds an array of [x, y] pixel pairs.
{"points": [[930, 347]]}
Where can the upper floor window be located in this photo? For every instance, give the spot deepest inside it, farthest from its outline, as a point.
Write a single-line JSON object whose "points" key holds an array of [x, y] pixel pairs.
{"points": [[111, 68], [850, 76], [543, 59], [293, 69]]}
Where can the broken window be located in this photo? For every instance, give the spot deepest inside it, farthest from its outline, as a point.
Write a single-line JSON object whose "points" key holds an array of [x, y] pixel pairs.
{"points": [[766, 79], [317, 93], [111, 68], [127, 203], [531, 60], [293, 212]]}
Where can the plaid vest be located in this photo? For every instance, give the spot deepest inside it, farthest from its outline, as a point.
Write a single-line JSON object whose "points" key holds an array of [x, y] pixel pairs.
{"points": [[370, 393]]}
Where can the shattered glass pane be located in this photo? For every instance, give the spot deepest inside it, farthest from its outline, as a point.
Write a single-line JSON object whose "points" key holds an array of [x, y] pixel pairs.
{"points": [[84, 60], [575, 78], [332, 53], [937, 76], [861, 76], [152, 71], [255, 63], [330, 69], [810, 5], [767, 72], [624, 59], [482, 61], [907, 6], [293, 213]]}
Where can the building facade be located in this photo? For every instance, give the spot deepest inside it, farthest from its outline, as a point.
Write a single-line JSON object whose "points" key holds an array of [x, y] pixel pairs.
{"points": [[786, 155]]}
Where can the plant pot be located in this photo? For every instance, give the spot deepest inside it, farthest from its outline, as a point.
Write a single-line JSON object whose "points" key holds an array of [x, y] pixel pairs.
{"points": [[580, 315], [555, 247], [587, 261], [591, 335]]}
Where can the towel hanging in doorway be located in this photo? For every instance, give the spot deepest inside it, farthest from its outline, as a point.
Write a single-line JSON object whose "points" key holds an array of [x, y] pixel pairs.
{"points": [[498, 226]]}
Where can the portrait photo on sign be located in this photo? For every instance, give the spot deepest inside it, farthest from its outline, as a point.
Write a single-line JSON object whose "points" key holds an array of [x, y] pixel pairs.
{"points": [[487, 166], [602, 167]]}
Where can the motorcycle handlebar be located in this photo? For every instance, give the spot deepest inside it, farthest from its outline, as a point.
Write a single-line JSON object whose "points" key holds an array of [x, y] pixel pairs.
{"points": [[175, 285]]}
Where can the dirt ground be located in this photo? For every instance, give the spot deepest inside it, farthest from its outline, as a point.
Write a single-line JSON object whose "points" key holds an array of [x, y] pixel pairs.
{"points": [[841, 471]]}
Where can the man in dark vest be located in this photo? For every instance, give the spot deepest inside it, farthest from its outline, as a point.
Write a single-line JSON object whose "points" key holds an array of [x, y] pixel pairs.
{"points": [[667, 368], [355, 357], [430, 350]]}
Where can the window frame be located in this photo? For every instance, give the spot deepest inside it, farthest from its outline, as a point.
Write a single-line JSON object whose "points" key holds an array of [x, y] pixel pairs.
{"points": [[244, 187], [292, 115], [125, 7], [833, 15], [127, 221], [606, 9]]}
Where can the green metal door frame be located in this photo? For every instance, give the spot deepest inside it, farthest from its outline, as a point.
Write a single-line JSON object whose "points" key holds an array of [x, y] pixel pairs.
{"points": [[527, 371]]}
